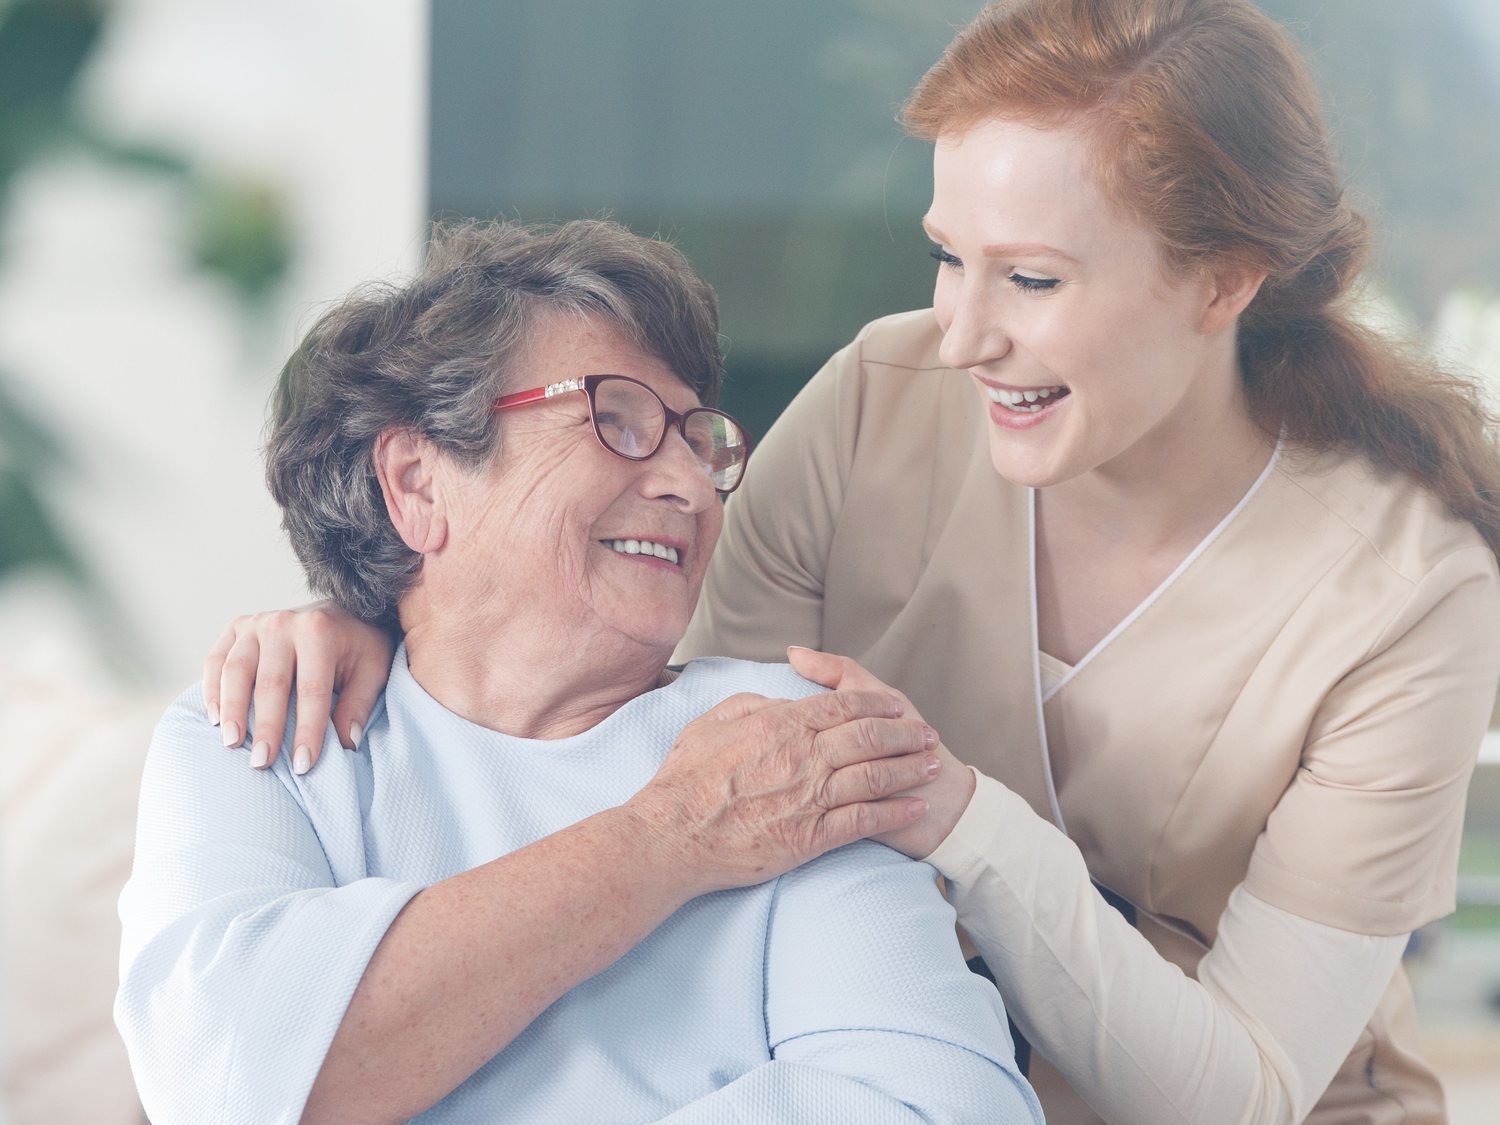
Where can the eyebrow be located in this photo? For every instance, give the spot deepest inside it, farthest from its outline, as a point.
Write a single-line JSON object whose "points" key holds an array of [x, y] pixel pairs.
{"points": [[1007, 249]]}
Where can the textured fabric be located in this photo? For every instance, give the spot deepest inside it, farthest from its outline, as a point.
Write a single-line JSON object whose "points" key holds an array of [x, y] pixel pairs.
{"points": [[1300, 710], [834, 993]]}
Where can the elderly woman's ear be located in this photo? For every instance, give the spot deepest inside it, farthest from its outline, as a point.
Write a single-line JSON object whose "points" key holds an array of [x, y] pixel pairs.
{"points": [[407, 465]]}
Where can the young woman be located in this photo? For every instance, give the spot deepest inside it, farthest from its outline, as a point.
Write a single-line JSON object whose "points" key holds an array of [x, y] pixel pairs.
{"points": [[1196, 572]]}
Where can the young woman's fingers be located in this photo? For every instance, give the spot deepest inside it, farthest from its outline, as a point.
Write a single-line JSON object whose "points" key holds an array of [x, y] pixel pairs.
{"points": [[357, 696], [838, 672], [823, 668], [213, 668], [317, 666], [275, 670], [236, 678], [848, 823]]}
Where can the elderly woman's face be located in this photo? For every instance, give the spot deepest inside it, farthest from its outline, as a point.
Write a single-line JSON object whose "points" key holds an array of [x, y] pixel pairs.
{"points": [[539, 529]]}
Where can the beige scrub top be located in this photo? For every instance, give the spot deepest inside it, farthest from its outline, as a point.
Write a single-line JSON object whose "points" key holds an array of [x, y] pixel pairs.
{"points": [[1298, 709]]}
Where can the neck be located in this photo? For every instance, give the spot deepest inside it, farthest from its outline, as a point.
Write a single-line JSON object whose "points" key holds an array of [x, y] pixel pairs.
{"points": [[1176, 484], [525, 681]]}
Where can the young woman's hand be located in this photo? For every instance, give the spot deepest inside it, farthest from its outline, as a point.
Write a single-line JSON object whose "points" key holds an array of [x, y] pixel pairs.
{"points": [[320, 649], [947, 793]]}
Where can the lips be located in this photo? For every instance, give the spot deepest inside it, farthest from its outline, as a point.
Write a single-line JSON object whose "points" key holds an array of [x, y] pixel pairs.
{"points": [[651, 548], [1026, 400]]}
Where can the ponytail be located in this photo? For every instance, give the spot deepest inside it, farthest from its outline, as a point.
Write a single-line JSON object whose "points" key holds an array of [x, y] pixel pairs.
{"points": [[1206, 127], [1328, 382]]}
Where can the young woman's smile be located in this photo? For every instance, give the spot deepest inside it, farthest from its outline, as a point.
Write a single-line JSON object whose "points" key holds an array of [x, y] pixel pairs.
{"points": [[1086, 354]]}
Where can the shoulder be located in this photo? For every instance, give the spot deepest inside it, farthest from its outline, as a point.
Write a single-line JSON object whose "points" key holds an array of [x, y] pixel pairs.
{"points": [[1387, 516], [189, 765], [1403, 557], [894, 410], [907, 340], [896, 356], [718, 677], [185, 740]]}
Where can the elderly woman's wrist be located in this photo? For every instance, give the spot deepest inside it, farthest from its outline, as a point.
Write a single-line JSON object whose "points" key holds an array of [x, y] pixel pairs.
{"points": [[657, 835]]}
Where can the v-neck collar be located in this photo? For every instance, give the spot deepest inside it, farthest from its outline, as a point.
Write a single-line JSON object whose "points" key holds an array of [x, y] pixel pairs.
{"points": [[1042, 697], [1151, 598]]}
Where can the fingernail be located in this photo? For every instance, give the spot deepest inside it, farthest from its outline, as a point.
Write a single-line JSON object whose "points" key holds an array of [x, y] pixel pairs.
{"points": [[933, 764], [302, 760], [260, 755], [232, 737], [929, 737], [798, 648], [213, 713], [916, 807], [356, 734]]}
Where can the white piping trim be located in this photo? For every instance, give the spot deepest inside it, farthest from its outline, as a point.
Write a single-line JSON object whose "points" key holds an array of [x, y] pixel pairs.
{"points": [[1152, 597], [1036, 666]]}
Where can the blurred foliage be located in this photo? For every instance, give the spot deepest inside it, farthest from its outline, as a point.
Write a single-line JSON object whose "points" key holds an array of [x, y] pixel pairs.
{"points": [[232, 229], [28, 452]]}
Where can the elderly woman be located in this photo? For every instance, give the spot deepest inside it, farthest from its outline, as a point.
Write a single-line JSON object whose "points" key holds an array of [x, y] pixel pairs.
{"points": [[531, 899]]}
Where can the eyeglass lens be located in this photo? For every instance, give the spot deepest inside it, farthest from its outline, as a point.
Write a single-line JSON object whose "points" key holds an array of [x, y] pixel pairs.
{"points": [[631, 421]]}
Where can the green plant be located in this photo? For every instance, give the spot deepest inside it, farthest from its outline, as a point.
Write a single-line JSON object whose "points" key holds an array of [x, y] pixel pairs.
{"points": [[234, 229]]}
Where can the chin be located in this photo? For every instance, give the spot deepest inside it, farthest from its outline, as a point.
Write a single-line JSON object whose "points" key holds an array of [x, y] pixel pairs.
{"points": [[660, 632], [1028, 468]]}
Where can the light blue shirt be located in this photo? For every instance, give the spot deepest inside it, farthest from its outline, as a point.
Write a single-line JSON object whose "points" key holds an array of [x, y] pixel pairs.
{"points": [[834, 993]]}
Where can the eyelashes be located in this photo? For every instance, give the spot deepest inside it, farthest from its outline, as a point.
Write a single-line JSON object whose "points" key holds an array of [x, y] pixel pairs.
{"points": [[1033, 284], [1021, 281]]}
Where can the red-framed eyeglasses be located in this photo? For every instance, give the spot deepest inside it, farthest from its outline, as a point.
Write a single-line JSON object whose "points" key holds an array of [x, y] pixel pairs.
{"points": [[631, 421]]}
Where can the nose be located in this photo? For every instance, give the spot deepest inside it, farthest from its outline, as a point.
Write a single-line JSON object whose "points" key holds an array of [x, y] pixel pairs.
{"points": [[973, 334], [674, 474]]}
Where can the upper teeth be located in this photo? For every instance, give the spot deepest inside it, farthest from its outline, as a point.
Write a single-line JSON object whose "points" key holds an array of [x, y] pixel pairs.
{"points": [[1021, 398], [643, 547]]}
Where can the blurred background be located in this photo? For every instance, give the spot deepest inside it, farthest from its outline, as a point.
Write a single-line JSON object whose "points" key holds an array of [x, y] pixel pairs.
{"points": [[184, 183]]}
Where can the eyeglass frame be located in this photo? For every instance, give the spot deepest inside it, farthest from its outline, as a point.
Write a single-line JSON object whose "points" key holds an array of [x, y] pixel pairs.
{"points": [[587, 383]]}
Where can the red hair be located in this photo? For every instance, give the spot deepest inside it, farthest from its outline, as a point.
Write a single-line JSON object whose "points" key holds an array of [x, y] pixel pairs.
{"points": [[1207, 128]]}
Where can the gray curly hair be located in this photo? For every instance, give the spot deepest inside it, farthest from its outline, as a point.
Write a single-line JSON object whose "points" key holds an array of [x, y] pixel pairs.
{"points": [[432, 355]]}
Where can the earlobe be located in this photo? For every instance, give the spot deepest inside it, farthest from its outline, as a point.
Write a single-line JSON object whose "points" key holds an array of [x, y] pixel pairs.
{"points": [[405, 465], [1230, 294]]}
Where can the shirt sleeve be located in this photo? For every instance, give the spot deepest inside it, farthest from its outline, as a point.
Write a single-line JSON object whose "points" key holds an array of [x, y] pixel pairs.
{"points": [[1278, 1005], [764, 588], [871, 1013], [1366, 836], [239, 954]]}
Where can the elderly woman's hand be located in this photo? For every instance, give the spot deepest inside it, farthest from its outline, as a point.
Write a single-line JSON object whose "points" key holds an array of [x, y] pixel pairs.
{"points": [[756, 786], [947, 794], [320, 648]]}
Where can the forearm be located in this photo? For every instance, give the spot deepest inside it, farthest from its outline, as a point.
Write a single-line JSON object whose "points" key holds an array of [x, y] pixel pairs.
{"points": [[1137, 1038], [471, 961]]}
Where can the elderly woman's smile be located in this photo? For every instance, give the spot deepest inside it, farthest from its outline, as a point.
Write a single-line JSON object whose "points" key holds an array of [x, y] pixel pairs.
{"points": [[647, 550], [558, 526]]}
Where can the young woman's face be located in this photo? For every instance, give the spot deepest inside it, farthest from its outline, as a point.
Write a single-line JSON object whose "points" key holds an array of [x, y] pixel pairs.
{"points": [[1056, 304]]}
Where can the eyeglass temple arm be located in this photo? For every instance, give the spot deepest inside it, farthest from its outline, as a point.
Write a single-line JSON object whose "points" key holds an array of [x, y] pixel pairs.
{"points": [[536, 394]]}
